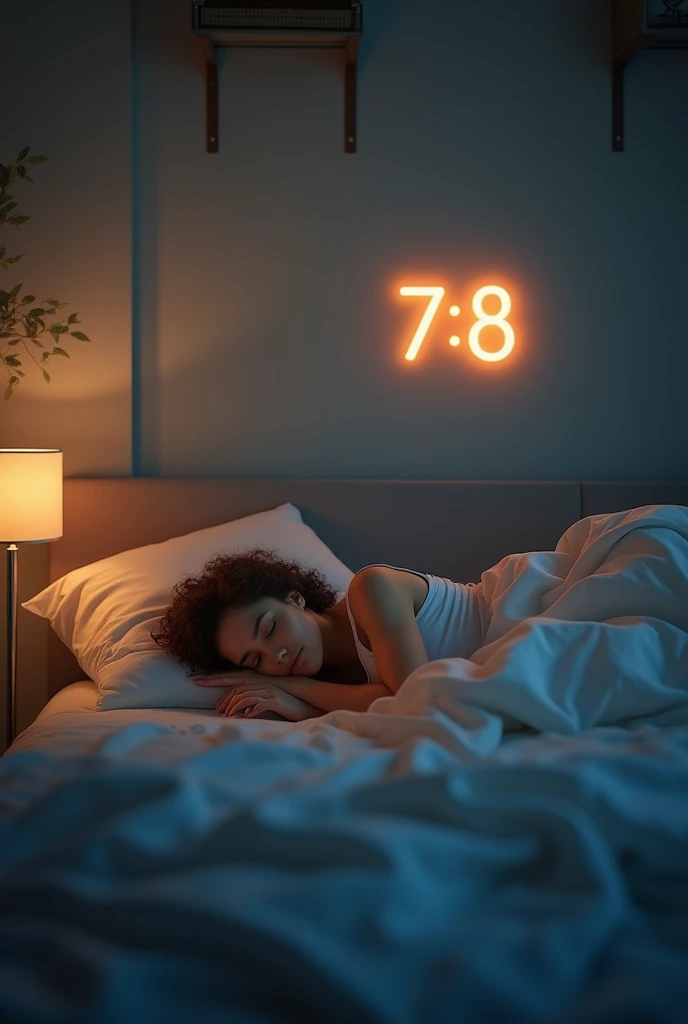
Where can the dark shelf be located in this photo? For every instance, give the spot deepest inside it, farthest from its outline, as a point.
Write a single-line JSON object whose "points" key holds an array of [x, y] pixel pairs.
{"points": [[298, 24], [636, 26]]}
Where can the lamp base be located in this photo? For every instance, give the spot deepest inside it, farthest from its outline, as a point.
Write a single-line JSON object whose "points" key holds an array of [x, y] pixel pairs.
{"points": [[11, 681]]}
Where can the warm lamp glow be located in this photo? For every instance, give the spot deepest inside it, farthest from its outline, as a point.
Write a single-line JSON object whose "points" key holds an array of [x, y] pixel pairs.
{"points": [[30, 494]]}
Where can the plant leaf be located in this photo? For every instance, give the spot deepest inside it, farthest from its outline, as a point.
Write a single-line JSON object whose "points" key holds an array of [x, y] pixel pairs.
{"points": [[60, 352], [46, 377], [35, 159], [23, 155], [80, 335]]}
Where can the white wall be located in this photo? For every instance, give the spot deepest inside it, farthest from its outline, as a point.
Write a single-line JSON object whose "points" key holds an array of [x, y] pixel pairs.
{"points": [[267, 335]]}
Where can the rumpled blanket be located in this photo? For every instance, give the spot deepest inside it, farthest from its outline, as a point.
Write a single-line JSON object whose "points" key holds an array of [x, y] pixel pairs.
{"points": [[504, 840]]}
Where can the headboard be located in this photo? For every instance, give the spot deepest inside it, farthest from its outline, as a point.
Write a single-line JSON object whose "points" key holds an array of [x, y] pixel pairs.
{"points": [[451, 528]]}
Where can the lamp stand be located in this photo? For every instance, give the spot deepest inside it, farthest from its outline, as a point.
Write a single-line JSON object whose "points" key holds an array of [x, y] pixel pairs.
{"points": [[11, 683]]}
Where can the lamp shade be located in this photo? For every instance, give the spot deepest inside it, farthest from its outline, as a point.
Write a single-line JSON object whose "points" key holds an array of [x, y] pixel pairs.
{"points": [[30, 495]]}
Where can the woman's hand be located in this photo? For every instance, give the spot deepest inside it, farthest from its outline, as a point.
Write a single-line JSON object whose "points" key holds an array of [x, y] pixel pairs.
{"points": [[251, 695], [233, 677]]}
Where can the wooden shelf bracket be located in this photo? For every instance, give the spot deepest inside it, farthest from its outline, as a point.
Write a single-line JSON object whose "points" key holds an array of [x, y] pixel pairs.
{"points": [[211, 99], [338, 25], [350, 95]]}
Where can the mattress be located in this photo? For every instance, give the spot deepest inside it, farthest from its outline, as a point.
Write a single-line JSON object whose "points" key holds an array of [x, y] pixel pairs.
{"points": [[70, 725], [423, 861]]}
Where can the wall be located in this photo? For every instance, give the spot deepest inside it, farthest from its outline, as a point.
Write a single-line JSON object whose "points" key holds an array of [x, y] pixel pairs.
{"points": [[484, 150], [267, 335], [67, 94], [66, 91], [244, 306]]}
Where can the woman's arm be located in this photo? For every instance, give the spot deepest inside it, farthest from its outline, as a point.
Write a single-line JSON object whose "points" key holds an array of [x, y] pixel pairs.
{"points": [[333, 696], [382, 603], [255, 698], [314, 696]]}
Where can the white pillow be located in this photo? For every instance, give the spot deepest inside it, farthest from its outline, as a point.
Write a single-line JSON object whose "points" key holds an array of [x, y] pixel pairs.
{"points": [[104, 612]]}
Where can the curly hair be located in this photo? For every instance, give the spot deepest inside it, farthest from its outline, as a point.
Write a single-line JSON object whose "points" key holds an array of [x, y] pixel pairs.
{"points": [[189, 625]]}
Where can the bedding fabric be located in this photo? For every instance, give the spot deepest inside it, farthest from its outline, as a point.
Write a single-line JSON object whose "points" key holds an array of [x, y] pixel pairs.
{"points": [[506, 839], [105, 612]]}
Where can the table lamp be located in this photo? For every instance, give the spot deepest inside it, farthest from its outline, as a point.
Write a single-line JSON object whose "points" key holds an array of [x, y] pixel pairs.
{"points": [[30, 513]]}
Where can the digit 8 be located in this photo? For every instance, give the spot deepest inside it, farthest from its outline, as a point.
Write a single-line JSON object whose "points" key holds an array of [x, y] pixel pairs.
{"points": [[486, 320]]}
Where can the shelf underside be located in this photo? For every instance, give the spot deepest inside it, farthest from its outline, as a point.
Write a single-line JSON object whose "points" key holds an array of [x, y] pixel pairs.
{"points": [[211, 40], [262, 37]]}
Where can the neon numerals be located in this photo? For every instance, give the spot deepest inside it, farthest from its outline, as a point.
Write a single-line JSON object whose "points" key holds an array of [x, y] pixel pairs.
{"points": [[483, 320]]}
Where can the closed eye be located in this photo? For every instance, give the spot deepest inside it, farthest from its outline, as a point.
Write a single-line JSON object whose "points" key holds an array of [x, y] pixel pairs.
{"points": [[269, 633]]}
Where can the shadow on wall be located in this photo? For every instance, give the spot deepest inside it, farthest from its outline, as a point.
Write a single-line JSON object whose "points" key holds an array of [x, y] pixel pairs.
{"points": [[91, 429], [590, 20], [378, 18], [591, 27]]}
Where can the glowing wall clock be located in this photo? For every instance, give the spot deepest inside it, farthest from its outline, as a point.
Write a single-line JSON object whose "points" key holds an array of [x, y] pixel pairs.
{"points": [[498, 319]]}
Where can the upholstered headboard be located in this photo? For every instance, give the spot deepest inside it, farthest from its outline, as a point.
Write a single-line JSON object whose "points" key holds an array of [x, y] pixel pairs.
{"points": [[451, 528]]}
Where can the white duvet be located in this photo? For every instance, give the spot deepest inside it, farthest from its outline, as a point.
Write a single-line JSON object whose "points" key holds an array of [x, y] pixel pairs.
{"points": [[506, 839]]}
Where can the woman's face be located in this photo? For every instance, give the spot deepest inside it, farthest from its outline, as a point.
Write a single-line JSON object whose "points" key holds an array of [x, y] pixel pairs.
{"points": [[273, 637]]}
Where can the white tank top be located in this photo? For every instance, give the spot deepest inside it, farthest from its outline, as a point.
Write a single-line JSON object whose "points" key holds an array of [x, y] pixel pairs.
{"points": [[452, 621]]}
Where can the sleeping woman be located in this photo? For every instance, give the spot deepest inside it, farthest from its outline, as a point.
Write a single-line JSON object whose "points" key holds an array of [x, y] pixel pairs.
{"points": [[277, 636]]}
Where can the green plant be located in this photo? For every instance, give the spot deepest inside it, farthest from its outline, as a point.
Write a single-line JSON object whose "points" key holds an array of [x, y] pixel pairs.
{"points": [[21, 322]]}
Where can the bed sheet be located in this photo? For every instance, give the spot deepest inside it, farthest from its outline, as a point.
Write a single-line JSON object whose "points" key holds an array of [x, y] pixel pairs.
{"points": [[505, 839], [81, 695], [69, 723], [178, 866]]}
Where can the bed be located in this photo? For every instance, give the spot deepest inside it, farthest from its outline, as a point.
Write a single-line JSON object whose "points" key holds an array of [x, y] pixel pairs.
{"points": [[519, 855]]}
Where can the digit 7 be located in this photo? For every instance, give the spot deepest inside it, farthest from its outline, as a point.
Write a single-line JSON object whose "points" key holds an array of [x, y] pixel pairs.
{"points": [[436, 295]]}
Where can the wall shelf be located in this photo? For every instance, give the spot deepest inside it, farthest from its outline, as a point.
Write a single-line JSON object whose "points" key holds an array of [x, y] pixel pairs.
{"points": [[298, 24], [638, 25]]}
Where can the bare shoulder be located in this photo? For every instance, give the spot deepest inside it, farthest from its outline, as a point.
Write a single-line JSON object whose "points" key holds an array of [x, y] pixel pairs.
{"points": [[384, 602], [391, 587]]}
